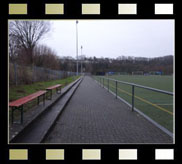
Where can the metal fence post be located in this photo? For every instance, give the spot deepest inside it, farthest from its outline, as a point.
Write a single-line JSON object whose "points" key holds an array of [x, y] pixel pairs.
{"points": [[133, 92], [15, 74], [108, 85], [33, 73], [116, 89], [103, 82]]}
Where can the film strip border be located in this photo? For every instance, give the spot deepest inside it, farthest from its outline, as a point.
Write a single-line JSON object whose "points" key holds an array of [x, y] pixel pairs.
{"points": [[94, 9], [91, 154], [90, 9]]}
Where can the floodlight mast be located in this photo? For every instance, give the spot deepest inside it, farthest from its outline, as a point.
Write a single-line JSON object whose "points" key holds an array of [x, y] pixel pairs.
{"points": [[77, 47], [81, 58]]}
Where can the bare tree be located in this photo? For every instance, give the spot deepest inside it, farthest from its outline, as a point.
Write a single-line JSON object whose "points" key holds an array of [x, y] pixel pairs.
{"points": [[46, 57], [13, 48], [28, 33]]}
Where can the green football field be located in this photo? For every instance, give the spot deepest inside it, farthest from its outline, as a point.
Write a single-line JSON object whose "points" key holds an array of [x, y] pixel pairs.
{"points": [[157, 106]]}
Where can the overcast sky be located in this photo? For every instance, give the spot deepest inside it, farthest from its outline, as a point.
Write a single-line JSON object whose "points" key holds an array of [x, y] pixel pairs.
{"points": [[112, 38]]}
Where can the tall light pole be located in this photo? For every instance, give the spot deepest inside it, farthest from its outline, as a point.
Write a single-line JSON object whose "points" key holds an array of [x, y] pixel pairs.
{"points": [[77, 47], [81, 59]]}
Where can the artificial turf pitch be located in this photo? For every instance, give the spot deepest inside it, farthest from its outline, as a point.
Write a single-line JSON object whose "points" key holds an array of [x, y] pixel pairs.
{"points": [[157, 106]]}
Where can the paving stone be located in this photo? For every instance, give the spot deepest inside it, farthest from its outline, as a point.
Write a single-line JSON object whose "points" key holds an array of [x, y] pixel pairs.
{"points": [[93, 115]]}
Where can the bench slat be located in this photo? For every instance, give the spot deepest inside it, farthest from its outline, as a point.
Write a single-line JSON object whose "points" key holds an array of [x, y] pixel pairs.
{"points": [[26, 99], [54, 86]]}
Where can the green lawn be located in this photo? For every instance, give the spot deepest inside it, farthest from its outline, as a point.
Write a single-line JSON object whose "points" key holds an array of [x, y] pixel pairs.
{"points": [[154, 81], [19, 91], [156, 105], [16, 92]]}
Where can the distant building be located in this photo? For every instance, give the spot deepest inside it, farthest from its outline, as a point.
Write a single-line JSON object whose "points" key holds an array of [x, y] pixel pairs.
{"points": [[156, 72], [110, 73]]}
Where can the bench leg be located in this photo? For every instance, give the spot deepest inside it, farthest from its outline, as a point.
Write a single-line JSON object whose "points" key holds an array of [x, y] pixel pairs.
{"points": [[49, 95], [44, 99], [58, 90], [12, 115], [21, 109], [38, 100], [21, 114]]}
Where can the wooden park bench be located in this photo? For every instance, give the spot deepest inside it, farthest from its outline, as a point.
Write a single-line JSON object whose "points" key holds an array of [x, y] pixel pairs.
{"points": [[49, 90], [18, 104]]}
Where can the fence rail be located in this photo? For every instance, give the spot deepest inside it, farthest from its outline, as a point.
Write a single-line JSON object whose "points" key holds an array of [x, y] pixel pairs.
{"points": [[147, 101], [133, 85]]}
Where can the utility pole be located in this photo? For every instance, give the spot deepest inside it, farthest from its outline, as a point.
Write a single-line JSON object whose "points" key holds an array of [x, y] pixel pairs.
{"points": [[81, 58], [77, 47]]}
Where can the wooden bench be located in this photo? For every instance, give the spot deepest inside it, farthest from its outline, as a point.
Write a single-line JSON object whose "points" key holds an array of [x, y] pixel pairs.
{"points": [[49, 90], [18, 104]]}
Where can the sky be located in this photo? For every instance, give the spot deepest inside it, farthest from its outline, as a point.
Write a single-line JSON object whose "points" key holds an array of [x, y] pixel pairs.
{"points": [[112, 38]]}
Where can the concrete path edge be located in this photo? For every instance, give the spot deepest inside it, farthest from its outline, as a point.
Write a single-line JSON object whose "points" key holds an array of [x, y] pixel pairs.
{"points": [[67, 88]]}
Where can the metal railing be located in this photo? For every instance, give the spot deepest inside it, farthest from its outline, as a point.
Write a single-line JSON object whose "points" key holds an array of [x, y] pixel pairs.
{"points": [[133, 85]]}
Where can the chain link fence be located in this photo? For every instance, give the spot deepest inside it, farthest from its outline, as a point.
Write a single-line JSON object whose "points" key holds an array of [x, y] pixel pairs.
{"points": [[19, 74]]}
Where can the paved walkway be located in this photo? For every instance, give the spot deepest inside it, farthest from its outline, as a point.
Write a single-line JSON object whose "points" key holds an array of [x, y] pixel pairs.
{"points": [[93, 115]]}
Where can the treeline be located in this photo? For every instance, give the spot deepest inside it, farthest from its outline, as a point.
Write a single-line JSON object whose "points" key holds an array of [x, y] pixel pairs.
{"points": [[122, 64], [132, 64]]}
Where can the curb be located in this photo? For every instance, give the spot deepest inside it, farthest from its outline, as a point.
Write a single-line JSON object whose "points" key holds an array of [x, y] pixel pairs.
{"points": [[52, 125], [66, 90]]}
